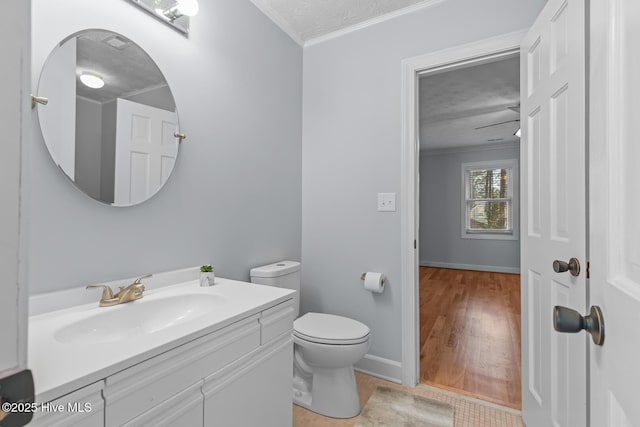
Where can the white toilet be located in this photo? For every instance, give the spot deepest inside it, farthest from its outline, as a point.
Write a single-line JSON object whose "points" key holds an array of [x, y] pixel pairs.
{"points": [[325, 349]]}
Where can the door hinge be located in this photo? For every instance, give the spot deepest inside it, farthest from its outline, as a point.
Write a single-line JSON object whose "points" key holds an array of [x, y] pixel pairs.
{"points": [[588, 265], [415, 244]]}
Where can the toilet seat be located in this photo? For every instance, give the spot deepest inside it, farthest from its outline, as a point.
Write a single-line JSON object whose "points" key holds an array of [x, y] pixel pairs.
{"points": [[330, 329]]}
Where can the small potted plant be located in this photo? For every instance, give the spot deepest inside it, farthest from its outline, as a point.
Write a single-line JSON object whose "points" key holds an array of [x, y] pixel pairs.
{"points": [[207, 277]]}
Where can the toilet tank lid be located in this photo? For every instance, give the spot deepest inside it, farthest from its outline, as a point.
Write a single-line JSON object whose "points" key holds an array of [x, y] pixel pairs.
{"points": [[276, 269]]}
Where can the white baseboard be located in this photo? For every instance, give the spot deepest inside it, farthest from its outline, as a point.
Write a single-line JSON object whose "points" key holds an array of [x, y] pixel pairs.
{"points": [[380, 367], [493, 268]]}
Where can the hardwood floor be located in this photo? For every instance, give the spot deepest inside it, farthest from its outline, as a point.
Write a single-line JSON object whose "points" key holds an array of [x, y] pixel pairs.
{"points": [[470, 333]]}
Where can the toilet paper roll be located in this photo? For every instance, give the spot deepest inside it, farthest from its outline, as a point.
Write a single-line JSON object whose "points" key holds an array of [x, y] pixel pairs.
{"points": [[374, 282]]}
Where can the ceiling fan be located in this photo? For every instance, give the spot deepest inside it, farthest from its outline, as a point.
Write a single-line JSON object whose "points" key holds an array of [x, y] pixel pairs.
{"points": [[515, 109]]}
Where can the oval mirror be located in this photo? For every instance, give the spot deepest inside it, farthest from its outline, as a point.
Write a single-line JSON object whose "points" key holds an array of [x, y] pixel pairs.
{"points": [[111, 122]]}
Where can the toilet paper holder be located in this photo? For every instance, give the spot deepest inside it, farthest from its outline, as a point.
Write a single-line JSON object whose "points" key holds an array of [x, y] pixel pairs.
{"points": [[363, 275]]}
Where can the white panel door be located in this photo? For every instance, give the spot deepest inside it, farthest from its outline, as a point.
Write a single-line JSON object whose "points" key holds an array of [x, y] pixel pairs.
{"points": [[15, 74], [146, 151], [614, 162], [553, 188]]}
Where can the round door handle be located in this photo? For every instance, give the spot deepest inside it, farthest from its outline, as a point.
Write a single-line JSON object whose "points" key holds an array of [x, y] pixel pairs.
{"points": [[573, 266], [568, 320]]}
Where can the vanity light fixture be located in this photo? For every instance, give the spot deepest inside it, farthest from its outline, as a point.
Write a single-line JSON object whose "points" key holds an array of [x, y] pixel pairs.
{"points": [[92, 80], [178, 9], [518, 132], [188, 7], [175, 13]]}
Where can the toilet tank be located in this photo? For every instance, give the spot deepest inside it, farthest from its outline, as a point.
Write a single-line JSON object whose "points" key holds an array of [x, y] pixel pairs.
{"points": [[283, 274]]}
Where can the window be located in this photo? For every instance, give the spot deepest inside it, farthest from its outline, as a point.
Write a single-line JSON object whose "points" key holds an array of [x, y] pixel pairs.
{"points": [[489, 202]]}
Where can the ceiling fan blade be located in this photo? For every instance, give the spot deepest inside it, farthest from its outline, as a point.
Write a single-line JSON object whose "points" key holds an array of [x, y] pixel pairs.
{"points": [[497, 124]]}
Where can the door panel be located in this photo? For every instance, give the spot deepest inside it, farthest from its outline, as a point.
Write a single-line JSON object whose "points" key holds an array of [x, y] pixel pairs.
{"points": [[614, 210], [561, 365], [146, 150], [15, 112], [553, 170], [535, 336]]}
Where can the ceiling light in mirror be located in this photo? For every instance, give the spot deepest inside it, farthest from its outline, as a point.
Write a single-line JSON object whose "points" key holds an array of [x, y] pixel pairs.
{"points": [[91, 80]]}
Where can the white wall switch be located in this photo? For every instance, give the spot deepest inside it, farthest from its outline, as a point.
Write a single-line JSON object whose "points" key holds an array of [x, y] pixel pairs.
{"points": [[386, 202]]}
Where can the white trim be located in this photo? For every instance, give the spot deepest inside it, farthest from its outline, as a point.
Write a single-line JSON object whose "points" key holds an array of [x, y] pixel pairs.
{"points": [[514, 233], [492, 48], [456, 266], [93, 101], [380, 367], [279, 21], [371, 22]]}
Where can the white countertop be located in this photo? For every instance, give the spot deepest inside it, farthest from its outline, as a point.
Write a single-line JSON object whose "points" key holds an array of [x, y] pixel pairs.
{"points": [[60, 367]]}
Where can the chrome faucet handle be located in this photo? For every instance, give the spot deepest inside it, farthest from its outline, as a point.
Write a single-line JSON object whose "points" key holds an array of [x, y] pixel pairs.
{"points": [[107, 293]]}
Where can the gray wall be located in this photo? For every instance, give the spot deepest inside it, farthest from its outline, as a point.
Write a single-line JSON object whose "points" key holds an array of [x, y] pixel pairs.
{"points": [[351, 151], [234, 199], [441, 243], [88, 146]]}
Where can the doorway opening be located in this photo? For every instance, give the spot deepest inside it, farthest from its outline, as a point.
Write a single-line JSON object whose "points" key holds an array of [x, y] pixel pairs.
{"points": [[469, 283]]}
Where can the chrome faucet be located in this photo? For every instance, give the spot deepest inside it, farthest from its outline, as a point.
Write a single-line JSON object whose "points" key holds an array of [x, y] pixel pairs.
{"points": [[126, 294]]}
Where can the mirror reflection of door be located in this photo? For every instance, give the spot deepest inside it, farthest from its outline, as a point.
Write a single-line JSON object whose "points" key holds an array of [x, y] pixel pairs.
{"points": [[89, 78], [145, 149]]}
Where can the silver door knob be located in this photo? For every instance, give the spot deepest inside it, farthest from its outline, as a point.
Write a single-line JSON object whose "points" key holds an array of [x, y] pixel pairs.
{"points": [[568, 320], [573, 266]]}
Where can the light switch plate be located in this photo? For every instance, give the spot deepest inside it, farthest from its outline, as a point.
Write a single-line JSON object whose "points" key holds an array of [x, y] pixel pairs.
{"points": [[386, 202]]}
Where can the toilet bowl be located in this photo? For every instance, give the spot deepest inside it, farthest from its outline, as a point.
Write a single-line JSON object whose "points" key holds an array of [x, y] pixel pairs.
{"points": [[326, 347]]}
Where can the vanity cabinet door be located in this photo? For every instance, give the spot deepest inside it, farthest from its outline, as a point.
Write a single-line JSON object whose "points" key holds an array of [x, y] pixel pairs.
{"points": [[254, 391], [184, 409], [136, 390], [81, 408]]}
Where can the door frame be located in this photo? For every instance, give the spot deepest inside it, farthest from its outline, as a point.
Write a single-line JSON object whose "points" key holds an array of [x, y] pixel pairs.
{"points": [[15, 109], [473, 53]]}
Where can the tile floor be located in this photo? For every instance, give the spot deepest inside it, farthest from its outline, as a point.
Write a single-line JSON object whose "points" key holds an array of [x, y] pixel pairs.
{"points": [[469, 412]]}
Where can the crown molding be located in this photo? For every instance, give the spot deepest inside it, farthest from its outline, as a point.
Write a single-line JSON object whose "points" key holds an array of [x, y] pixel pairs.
{"points": [[277, 19], [371, 22]]}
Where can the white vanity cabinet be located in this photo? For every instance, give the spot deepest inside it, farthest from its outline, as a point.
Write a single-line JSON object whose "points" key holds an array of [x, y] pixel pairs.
{"points": [[251, 391], [216, 357], [82, 408], [212, 380]]}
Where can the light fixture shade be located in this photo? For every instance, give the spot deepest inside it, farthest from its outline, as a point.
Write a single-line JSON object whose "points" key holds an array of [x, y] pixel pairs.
{"points": [[91, 80], [188, 7], [518, 132]]}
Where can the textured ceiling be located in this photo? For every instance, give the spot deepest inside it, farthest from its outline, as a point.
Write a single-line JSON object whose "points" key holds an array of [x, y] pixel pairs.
{"points": [[454, 103], [125, 71], [309, 19]]}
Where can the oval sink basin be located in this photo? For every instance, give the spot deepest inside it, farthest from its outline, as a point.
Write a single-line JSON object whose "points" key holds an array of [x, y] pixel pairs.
{"points": [[141, 317]]}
